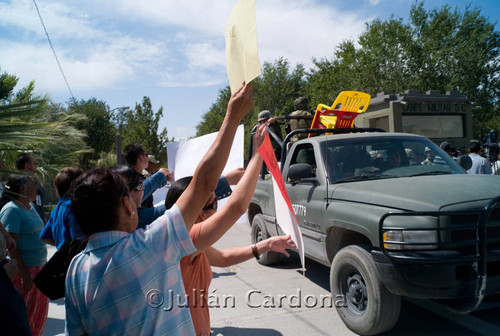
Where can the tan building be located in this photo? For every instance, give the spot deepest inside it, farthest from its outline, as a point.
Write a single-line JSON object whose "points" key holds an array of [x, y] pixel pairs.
{"points": [[437, 116]]}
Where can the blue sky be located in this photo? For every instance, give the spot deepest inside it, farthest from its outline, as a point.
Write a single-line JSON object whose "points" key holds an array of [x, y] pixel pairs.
{"points": [[172, 51]]}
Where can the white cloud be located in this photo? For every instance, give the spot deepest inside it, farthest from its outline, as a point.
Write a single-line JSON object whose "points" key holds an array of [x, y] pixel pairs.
{"points": [[61, 20], [301, 32], [174, 43], [99, 67], [32, 62], [191, 79], [204, 17], [119, 46], [204, 55]]}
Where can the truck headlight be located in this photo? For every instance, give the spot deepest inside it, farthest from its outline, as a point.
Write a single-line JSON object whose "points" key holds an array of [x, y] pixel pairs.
{"points": [[410, 240]]}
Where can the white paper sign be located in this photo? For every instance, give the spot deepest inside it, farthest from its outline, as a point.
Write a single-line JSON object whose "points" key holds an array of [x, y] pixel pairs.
{"points": [[184, 156], [242, 58]]}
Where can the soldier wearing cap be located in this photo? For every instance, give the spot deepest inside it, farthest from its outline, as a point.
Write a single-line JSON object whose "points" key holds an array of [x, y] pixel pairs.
{"points": [[266, 116], [301, 106], [430, 157]]}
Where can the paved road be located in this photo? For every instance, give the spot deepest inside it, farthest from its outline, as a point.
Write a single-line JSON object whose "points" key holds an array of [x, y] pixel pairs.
{"points": [[249, 296], [418, 317]]}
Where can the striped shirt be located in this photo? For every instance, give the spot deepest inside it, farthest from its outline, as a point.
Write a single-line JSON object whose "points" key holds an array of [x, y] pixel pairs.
{"points": [[131, 284]]}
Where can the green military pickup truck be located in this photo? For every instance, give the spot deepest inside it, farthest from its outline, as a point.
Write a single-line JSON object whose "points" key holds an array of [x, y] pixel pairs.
{"points": [[392, 215]]}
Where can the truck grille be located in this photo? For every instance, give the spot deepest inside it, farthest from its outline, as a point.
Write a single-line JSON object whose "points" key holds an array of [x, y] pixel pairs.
{"points": [[462, 237], [468, 232]]}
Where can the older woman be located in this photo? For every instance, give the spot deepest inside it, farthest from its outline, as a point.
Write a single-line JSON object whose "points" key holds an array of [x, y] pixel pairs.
{"points": [[24, 225]]}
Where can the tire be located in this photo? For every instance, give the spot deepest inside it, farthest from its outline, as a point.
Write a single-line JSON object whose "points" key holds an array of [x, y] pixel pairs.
{"points": [[368, 307], [259, 233]]}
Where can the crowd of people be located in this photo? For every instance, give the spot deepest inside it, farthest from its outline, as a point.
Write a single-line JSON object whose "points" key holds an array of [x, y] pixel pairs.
{"points": [[133, 247], [473, 163]]}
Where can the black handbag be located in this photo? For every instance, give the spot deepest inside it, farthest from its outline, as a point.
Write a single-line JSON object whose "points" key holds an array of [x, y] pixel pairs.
{"points": [[51, 278]]}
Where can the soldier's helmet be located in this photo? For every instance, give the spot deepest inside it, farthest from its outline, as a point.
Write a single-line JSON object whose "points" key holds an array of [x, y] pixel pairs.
{"points": [[264, 115], [301, 103]]}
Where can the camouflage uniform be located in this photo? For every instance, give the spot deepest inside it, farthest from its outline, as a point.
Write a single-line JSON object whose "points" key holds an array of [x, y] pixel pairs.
{"points": [[301, 106]]}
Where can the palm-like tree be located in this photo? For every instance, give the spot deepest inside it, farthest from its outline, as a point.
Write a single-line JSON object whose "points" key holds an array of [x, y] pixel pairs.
{"points": [[31, 123]]}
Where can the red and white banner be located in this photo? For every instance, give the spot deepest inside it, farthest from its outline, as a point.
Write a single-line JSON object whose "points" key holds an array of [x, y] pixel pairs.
{"points": [[284, 211]]}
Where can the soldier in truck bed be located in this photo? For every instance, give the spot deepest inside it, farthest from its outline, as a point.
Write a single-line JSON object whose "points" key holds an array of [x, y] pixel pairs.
{"points": [[265, 116], [301, 106]]}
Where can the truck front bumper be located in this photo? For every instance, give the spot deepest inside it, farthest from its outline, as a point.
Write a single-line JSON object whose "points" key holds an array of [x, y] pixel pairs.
{"points": [[442, 280], [464, 264]]}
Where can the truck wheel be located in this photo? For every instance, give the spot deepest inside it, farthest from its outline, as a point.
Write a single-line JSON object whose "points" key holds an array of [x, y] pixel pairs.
{"points": [[362, 301], [259, 233]]}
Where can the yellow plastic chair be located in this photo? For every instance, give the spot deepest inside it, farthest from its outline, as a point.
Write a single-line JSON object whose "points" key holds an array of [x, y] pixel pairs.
{"points": [[351, 101], [347, 106]]}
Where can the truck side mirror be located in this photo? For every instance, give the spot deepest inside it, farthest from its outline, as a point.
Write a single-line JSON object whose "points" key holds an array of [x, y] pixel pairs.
{"points": [[301, 172]]}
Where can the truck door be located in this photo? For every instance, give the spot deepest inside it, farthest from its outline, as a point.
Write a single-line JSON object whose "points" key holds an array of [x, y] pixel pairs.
{"points": [[307, 200]]}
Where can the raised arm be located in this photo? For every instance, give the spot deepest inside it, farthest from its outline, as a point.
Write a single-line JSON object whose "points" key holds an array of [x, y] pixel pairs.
{"points": [[234, 176], [214, 227], [209, 170], [236, 255]]}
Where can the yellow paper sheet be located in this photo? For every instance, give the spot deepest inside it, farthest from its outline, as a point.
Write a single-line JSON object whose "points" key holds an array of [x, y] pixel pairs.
{"points": [[242, 58]]}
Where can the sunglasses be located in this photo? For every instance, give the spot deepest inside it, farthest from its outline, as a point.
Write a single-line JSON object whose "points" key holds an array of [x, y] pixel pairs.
{"points": [[139, 187], [211, 206]]}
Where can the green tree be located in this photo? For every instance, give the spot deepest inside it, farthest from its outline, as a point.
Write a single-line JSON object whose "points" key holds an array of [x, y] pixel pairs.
{"points": [[380, 64], [441, 49], [141, 126], [212, 120], [7, 85], [32, 123], [329, 77], [383, 57], [458, 51], [277, 88], [97, 126]]}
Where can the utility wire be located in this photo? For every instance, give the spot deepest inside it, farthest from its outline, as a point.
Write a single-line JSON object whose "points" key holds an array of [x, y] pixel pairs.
{"points": [[53, 50]]}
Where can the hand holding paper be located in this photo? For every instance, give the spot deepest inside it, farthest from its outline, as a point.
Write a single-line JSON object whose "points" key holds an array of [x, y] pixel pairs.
{"points": [[241, 102], [242, 59]]}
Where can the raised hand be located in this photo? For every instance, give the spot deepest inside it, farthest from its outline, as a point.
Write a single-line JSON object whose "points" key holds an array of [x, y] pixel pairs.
{"points": [[259, 136], [168, 174], [241, 102]]}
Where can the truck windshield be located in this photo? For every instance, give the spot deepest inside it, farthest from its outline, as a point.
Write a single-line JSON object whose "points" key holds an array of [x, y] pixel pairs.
{"points": [[366, 158]]}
